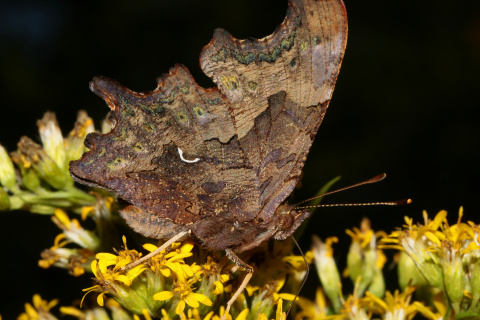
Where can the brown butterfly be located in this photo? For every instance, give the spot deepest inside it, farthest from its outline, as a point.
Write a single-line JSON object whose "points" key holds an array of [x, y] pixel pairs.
{"points": [[219, 163]]}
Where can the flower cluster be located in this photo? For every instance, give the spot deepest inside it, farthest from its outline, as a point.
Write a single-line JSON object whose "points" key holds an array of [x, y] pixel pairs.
{"points": [[35, 178], [369, 299], [184, 279], [447, 256], [438, 263]]}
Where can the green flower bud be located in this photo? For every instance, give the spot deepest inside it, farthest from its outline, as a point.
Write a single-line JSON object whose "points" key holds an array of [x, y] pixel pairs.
{"points": [[427, 263], [454, 281], [4, 200], [354, 261], [33, 155], [475, 278], [377, 285], [408, 273], [327, 270], [30, 179], [7, 171]]}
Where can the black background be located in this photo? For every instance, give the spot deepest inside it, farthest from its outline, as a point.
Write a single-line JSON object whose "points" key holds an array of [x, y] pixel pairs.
{"points": [[406, 103]]}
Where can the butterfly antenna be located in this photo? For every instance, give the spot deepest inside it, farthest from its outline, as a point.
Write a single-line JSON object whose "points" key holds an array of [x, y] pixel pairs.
{"points": [[377, 178], [304, 278], [381, 203]]}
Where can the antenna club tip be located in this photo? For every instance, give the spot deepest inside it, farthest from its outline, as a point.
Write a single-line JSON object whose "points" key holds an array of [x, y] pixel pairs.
{"points": [[378, 178], [409, 201]]}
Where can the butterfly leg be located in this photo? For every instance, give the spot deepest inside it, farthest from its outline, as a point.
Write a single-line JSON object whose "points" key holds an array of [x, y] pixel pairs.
{"points": [[157, 251], [235, 259]]}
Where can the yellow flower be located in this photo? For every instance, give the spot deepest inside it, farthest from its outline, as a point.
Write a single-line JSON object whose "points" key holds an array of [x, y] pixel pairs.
{"points": [[39, 310], [312, 310], [74, 260], [171, 261], [183, 292], [112, 280], [74, 232], [443, 253], [354, 308], [396, 306]]}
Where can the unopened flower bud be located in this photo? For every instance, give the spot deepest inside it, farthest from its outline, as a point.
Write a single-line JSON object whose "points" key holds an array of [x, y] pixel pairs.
{"points": [[30, 179], [52, 139], [74, 142], [4, 200], [327, 269], [7, 171], [33, 155]]}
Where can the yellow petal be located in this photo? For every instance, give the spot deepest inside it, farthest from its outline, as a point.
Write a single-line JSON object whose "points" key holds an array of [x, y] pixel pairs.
{"points": [[180, 256], [31, 312], [377, 300], [100, 299], [86, 211], [122, 263], [37, 300], [286, 296], [280, 315], [150, 247], [218, 287], [103, 265], [123, 279], [280, 282], [110, 259], [426, 312], [186, 248], [432, 237], [93, 266], [224, 278], [165, 272], [146, 314], [207, 317], [62, 216], [163, 295], [135, 272], [180, 307], [242, 315], [251, 289], [201, 298], [71, 311], [187, 270], [191, 301], [51, 304]]}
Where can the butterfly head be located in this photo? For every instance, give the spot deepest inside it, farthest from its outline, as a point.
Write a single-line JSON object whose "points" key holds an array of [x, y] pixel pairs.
{"points": [[289, 219]]}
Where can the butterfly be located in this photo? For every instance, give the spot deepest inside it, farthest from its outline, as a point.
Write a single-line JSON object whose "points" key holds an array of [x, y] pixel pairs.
{"points": [[219, 163]]}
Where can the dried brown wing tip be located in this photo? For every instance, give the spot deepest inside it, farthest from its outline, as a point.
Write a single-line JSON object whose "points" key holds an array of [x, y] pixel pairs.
{"points": [[107, 89]]}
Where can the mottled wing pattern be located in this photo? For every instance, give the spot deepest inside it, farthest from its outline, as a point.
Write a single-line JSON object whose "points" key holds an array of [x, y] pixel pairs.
{"points": [[182, 153], [279, 88]]}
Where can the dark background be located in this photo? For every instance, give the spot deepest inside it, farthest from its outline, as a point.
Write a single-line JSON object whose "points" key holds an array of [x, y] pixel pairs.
{"points": [[406, 103]]}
